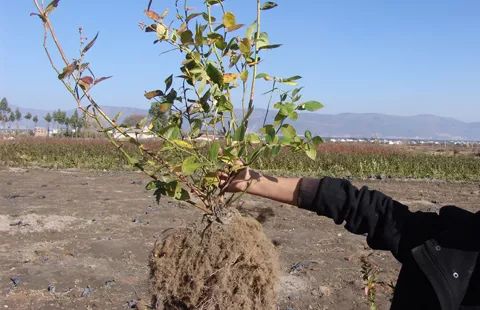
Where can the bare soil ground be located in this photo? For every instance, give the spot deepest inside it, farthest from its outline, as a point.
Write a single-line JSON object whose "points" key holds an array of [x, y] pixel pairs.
{"points": [[81, 239]]}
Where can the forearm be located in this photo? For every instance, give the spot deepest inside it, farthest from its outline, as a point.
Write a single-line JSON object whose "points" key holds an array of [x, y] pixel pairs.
{"points": [[283, 190]]}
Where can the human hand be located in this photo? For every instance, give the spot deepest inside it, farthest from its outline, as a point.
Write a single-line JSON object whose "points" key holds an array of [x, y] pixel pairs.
{"points": [[241, 181]]}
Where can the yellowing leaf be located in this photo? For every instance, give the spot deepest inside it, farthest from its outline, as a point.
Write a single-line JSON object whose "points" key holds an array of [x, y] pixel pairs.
{"points": [[244, 76], [245, 46], [229, 20], [182, 144], [229, 77], [162, 32]]}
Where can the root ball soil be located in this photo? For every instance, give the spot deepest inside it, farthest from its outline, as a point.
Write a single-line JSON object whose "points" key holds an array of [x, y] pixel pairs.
{"points": [[215, 265]]}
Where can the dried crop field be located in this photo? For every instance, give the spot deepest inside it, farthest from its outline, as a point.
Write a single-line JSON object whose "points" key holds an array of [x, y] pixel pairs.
{"points": [[77, 225], [334, 159]]}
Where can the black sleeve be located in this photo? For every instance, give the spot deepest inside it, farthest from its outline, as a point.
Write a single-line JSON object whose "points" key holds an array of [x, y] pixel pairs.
{"points": [[388, 224]]}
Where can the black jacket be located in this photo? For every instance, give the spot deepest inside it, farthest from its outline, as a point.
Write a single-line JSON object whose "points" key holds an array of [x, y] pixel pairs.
{"points": [[439, 252]]}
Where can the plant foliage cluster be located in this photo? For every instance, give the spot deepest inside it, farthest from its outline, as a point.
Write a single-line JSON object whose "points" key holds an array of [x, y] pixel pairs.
{"points": [[220, 57]]}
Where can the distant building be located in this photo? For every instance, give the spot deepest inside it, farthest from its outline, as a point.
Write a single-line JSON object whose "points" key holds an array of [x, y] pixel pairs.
{"points": [[40, 132], [136, 133]]}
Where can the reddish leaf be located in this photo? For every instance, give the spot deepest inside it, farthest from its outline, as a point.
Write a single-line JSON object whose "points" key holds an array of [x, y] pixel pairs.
{"points": [[101, 79], [85, 82], [152, 15], [67, 71]]}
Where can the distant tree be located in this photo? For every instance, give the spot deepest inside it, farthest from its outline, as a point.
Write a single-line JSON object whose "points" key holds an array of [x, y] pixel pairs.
{"points": [[76, 122], [28, 116], [4, 110], [48, 119], [133, 120], [60, 117], [35, 120], [11, 119], [3, 104], [18, 116]]}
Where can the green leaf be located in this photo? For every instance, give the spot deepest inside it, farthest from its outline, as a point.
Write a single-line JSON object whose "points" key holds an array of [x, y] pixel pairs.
{"points": [[90, 44], [308, 134], [310, 106], [181, 193], [192, 16], [275, 150], [170, 132], [263, 40], [205, 17], [292, 78], [269, 47], [172, 189], [213, 151], [214, 74], [151, 185], [196, 127], [296, 91], [190, 165], [279, 118], [223, 104], [268, 5], [213, 2], [293, 116], [239, 134], [317, 140], [168, 82], [288, 131], [251, 30], [264, 76], [215, 36], [186, 37], [253, 138], [269, 131], [311, 151]]}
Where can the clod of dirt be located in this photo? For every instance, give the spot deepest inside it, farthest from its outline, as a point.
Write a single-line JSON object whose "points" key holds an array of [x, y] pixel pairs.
{"points": [[213, 265], [51, 288], [300, 266], [16, 280], [87, 291]]}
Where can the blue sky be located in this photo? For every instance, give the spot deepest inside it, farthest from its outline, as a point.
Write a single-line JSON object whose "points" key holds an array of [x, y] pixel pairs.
{"points": [[397, 57]]}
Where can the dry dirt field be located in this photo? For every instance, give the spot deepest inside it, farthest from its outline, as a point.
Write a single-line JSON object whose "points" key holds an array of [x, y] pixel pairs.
{"points": [[81, 239]]}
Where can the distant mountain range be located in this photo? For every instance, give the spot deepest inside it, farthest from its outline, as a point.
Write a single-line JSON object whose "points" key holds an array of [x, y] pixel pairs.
{"points": [[352, 125]]}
